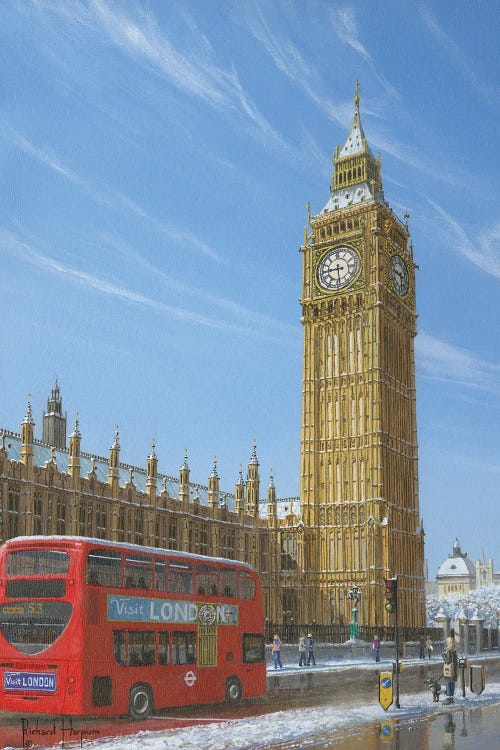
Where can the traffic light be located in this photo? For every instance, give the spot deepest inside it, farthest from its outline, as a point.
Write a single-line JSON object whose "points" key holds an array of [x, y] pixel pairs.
{"points": [[391, 594]]}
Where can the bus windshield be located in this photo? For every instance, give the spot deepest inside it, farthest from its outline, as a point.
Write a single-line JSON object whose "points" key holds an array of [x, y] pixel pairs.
{"points": [[32, 626]]}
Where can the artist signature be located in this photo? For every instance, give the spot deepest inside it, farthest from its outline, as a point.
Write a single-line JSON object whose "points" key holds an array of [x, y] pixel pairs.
{"points": [[35, 734]]}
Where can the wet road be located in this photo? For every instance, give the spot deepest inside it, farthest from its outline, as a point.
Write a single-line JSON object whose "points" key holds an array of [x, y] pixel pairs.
{"points": [[464, 728], [467, 729]]}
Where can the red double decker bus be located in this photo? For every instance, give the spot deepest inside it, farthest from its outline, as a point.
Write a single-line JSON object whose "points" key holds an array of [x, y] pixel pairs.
{"points": [[90, 627]]}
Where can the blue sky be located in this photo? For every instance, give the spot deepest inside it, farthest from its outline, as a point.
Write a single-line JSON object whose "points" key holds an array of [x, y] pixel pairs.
{"points": [[157, 159]]}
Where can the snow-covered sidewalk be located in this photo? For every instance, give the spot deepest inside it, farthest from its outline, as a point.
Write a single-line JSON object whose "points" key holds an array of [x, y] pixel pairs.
{"points": [[263, 731]]}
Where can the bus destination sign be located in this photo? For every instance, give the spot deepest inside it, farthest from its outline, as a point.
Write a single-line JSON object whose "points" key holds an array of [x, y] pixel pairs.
{"points": [[143, 609]]}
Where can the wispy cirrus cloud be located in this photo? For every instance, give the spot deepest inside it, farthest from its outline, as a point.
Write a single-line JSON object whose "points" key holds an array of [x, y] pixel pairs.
{"points": [[442, 361], [13, 245], [250, 316], [484, 252], [252, 323], [112, 199], [346, 28], [289, 60], [180, 55], [463, 63]]}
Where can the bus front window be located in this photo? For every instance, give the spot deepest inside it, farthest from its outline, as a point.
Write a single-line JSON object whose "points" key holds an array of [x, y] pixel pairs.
{"points": [[32, 626], [36, 562]]}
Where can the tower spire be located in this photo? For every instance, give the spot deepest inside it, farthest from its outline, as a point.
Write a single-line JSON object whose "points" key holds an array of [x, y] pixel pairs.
{"points": [[356, 139], [356, 172]]}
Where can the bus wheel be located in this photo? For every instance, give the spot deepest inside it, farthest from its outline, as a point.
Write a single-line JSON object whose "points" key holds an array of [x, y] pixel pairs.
{"points": [[233, 690], [141, 702]]}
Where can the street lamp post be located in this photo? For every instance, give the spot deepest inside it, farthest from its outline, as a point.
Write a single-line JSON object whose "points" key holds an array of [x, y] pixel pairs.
{"points": [[354, 594]]}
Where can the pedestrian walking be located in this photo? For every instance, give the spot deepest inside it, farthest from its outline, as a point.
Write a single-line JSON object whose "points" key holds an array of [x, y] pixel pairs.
{"points": [[429, 647], [302, 650], [277, 651], [310, 650], [421, 649], [450, 668], [376, 647]]}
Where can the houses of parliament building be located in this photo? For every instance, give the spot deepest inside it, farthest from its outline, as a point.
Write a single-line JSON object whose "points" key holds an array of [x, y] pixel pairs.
{"points": [[356, 521]]}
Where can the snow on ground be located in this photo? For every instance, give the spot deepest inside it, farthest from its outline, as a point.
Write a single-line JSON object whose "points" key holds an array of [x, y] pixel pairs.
{"points": [[261, 732]]}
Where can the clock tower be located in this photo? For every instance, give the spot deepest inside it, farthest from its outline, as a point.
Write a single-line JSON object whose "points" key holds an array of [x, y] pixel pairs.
{"points": [[359, 478]]}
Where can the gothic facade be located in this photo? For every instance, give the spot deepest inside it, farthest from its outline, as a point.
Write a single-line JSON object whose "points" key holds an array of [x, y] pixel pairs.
{"points": [[357, 519]]}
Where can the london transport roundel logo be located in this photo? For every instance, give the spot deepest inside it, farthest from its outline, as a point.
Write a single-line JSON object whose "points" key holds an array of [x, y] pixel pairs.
{"points": [[190, 678], [207, 614]]}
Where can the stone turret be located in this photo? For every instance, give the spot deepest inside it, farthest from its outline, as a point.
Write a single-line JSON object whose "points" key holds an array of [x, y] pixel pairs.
{"points": [[272, 508], [114, 464], [184, 482], [253, 484], [54, 421], [27, 433], [239, 494], [213, 487], [74, 455], [152, 474]]}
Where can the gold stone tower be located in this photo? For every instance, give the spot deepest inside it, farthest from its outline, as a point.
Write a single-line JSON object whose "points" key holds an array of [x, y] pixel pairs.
{"points": [[359, 479]]}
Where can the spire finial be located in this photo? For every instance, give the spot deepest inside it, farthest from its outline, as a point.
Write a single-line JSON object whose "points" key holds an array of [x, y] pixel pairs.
{"points": [[185, 465], [254, 459], [356, 94], [76, 431], [28, 419], [213, 473], [153, 452], [271, 478], [116, 442]]}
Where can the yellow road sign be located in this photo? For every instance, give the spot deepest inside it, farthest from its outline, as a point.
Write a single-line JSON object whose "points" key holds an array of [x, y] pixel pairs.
{"points": [[385, 690]]}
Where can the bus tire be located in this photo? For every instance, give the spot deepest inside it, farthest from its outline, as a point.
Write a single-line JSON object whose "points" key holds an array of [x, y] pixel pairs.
{"points": [[233, 690], [140, 701]]}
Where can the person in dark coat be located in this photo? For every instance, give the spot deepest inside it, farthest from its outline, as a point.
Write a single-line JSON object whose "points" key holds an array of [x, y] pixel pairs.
{"points": [[310, 650], [376, 647]]}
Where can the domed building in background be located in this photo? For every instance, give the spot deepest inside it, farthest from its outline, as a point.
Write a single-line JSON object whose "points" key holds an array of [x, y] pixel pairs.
{"points": [[457, 575]]}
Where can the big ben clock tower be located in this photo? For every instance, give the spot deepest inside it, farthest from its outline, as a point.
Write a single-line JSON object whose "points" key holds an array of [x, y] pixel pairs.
{"points": [[359, 480]]}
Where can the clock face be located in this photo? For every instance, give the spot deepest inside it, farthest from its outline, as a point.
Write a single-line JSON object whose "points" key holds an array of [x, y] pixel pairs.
{"points": [[338, 268], [399, 275]]}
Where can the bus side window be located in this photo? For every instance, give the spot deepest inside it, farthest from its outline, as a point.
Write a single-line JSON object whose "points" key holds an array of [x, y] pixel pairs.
{"points": [[119, 647], [162, 649], [160, 575], [141, 645], [105, 566], [207, 579], [247, 586], [183, 647], [180, 578], [139, 570], [228, 582]]}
